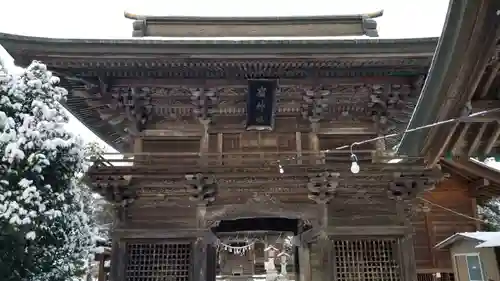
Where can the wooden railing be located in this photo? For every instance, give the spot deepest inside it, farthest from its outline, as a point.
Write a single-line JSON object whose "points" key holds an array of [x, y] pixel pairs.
{"points": [[231, 158]]}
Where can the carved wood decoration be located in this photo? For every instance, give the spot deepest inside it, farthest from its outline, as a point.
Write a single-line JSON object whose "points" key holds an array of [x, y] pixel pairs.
{"points": [[202, 188], [136, 106], [386, 105], [322, 186]]}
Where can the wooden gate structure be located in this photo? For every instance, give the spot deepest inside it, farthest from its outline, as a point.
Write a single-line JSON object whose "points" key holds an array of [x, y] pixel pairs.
{"points": [[223, 138]]}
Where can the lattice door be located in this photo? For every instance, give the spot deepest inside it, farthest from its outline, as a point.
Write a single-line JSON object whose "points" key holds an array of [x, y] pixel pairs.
{"points": [[366, 260], [158, 261]]}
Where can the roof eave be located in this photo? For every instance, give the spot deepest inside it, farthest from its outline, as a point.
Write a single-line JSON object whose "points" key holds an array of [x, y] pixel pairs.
{"points": [[294, 26], [448, 242], [446, 65], [19, 46]]}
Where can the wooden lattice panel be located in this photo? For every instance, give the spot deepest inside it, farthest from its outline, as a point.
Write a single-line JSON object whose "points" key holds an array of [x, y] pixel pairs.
{"points": [[445, 276], [366, 260], [158, 261]]}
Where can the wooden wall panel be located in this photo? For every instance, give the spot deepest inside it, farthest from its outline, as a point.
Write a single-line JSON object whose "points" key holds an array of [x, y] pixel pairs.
{"points": [[327, 142], [160, 217], [438, 223], [259, 142], [176, 145]]}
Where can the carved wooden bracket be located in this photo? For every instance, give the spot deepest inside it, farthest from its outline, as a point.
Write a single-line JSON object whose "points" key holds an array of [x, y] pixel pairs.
{"points": [[114, 188], [315, 105], [323, 186], [131, 106], [204, 102], [202, 188], [405, 187]]}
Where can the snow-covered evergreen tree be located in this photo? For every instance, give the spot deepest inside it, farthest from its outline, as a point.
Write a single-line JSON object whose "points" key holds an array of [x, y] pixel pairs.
{"points": [[45, 231], [490, 212]]}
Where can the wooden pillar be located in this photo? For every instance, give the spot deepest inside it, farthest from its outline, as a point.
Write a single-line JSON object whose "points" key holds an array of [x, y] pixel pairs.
{"points": [[406, 247], [118, 257], [204, 142], [408, 258], [101, 274], [304, 252], [205, 136], [211, 263], [138, 149], [314, 140], [220, 146], [199, 262], [325, 244], [305, 262], [298, 146]]}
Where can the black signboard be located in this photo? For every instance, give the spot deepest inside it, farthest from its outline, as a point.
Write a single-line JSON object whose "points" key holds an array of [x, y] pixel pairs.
{"points": [[261, 104]]}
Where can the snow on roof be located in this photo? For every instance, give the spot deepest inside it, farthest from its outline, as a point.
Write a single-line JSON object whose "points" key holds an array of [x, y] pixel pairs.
{"points": [[485, 239]]}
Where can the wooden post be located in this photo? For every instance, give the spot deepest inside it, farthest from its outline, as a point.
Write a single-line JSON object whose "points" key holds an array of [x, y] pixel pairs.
{"points": [[305, 262], [220, 147], [298, 146], [304, 253], [138, 149], [314, 141], [102, 274], [204, 142], [325, 244], [406, 247], [200, 260], [200, 248], [118, 258]]}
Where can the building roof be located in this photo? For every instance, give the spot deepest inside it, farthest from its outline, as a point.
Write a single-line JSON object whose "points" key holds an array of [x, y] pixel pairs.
{"points": [[83, 63], [295, 26], [464, 49], [484, 239], [484, 180], [24, 48]]}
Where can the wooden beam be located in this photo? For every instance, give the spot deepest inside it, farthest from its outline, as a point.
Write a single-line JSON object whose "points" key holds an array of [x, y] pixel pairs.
{"points": [[480, 183], [477, 140], [461, 136], [493, 139], [200, 83], [347, 131], [436, 156], [475, 169], [493, 74], [482, 105], [171, 133], [431, 236], [366, 230]]}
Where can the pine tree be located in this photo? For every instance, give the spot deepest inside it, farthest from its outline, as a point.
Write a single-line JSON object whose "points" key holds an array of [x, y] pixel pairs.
{"points": [[490, 212], [45, 231]]}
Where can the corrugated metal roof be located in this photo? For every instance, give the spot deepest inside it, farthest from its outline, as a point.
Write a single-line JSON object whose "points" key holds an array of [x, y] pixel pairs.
{"points": [[485, 239]]}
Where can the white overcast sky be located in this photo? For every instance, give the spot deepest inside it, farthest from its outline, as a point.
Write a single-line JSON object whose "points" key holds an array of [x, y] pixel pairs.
{"points": [[104, 19]]}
